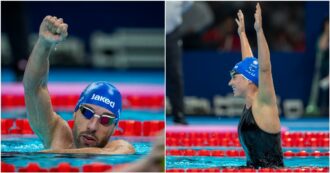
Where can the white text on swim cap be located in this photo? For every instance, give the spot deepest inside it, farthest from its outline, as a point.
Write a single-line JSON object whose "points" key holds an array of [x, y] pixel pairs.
{"points": [[103, 99]]}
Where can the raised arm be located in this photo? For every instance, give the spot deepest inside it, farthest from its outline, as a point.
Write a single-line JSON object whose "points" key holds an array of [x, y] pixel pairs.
{"points": [[245, 46], [266, 87], [41, 116]]}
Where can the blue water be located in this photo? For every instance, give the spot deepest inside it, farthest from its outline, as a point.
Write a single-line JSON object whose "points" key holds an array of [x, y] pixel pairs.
{"points": [[21, 150], [185, 162]]}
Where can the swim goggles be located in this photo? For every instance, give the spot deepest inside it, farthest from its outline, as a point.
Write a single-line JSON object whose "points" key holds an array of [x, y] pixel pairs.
{"points": [[105, 118]]}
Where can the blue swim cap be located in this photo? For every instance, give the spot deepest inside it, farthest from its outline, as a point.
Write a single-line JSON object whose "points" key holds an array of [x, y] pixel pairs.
{"points": [[249, 68], [102, 94]]}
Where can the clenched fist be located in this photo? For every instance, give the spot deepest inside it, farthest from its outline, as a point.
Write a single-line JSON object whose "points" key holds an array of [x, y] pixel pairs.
{"points": [[53, 30]]}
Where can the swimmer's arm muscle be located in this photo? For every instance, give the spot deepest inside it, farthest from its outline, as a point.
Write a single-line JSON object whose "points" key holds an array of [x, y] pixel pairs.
{"points": [[266, 87], [37, 99]]}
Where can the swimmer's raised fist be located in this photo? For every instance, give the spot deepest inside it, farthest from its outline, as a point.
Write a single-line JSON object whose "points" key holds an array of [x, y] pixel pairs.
{"points": [[53, 30], [258, 18]]}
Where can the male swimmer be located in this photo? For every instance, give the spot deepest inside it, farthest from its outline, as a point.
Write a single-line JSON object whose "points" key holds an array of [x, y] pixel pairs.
{"points": [[95, 116], [259, 128]]}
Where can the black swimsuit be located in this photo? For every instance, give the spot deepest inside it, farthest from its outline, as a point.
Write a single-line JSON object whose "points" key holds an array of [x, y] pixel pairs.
{"points": [[262, 149]]}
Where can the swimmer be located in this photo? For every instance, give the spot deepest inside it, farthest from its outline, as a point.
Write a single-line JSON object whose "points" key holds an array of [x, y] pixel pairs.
{"points": [[259, 128], [95, 116]]}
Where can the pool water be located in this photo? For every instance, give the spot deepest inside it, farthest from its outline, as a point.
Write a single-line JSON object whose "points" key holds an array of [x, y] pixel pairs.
{"points": [[185, 162], [22, 150]]}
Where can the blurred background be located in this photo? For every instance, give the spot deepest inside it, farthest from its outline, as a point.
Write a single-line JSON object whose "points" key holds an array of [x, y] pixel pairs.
{"points": [[300, 61], [120, 36], [119, 42]]}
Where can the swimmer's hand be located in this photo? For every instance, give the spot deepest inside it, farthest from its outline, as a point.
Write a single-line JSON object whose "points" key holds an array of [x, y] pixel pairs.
{"points": [[240, 22], [53, 30], [258, 19]]}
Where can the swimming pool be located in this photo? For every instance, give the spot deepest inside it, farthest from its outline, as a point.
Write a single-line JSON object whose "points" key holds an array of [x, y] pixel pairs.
{"points": [[22, 150]]}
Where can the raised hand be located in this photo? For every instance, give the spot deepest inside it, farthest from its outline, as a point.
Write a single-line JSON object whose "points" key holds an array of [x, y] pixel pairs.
{"points": [[240, 22], [53, 30], [258, 19]]}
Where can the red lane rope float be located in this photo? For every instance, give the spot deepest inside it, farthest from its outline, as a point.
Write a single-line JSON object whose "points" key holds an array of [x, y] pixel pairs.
{"points": [[62, 167], [292, 135], [96, 167], [101, 167], [229, 142], [238, 153], [289, 139], [32, 167], [233, 169], [7, 167], [68, 101], [125, 127]]}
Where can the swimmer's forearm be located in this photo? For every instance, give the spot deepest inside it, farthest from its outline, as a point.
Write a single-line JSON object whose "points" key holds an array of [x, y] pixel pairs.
{"points": [[93, 150], [36, 72], [263, 52], [245, 46]]}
